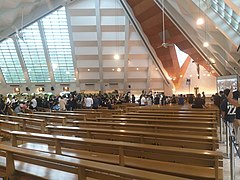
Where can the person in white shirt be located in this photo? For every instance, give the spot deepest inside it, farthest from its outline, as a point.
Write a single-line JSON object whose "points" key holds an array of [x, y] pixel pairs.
{"points": [[62, 104], [89, 102], [8, 101], [33, 103], [143, 101]]}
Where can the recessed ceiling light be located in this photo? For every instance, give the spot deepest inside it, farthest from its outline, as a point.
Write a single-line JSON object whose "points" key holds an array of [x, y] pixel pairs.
{"points": [[116, 57], [206, 44], [88, 70], [200, 21]]}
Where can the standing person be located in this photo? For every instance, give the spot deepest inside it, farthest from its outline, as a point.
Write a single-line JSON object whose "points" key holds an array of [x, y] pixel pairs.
{"points": [[198, 103], [62, 104], [156, 99], [217, 100], [181, 100], [234, 99], [89, 102], [203, 98], [133, 98], [2, 106], [228, 111], [33, 105], [95, 102], [173, 100], [163, 99], [143, 101]]}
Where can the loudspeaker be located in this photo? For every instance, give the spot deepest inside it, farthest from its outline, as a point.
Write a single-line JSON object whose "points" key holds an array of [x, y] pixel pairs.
{"points": [[52, 88], [27, 89]]}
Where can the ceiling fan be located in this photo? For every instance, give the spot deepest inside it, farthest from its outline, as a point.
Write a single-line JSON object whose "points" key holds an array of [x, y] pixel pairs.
{"points": [[164, 43]]}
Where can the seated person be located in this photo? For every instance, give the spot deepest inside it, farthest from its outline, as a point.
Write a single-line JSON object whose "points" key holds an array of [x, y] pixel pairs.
{"points": [[18, 109]]}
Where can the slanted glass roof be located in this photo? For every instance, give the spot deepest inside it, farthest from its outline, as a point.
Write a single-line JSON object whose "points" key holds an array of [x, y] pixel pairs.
{"points": [[58, 44], [9, 63], [182, 56], [227, 13], [33, 54]]}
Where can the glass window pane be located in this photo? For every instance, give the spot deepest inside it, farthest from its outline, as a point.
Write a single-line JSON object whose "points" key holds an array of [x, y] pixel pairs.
{"points": [[33, 54], [57, 37], [9, 63]]}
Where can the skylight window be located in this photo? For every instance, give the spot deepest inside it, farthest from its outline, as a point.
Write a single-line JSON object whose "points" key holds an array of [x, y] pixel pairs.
{"points": [[33, 54], [9, 63], [182, 56], [58, 44]]}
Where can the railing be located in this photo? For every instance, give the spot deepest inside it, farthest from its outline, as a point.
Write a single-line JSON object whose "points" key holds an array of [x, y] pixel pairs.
{"points": [[233, 146]]}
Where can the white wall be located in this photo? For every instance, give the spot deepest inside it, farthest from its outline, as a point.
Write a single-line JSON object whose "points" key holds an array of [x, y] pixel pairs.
{"points": [[206, 83]]}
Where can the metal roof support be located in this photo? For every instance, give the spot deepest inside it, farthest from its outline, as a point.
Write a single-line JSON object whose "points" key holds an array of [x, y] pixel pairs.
{"points": [[126, 50], [47, 57], [20, 57], [99, 38]]}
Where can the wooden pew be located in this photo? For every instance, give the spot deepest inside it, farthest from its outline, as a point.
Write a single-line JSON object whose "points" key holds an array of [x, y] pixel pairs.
{"points": [[6, 126], [14, 126], [177, 109], [69, 116], [105, 112], [160, 121], [37, 125], [89, 114], [28, 164], [148, 127], [130, 154], [158, 116], [178, 140], [49, 119]]}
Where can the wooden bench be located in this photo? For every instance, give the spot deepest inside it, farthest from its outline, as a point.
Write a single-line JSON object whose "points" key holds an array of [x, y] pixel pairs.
{"points": [[149, 127], [105, 112], [178, 140], [157, 116], [130, 154], [176, 110], [69, 116], [187, 112], [28, 164], [89, 114], [49, 119], [163, 121], [37, 125], [6, 125]]}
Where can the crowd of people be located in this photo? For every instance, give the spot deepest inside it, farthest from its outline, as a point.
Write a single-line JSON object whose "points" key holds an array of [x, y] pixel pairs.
{"points": [[74, 100]]}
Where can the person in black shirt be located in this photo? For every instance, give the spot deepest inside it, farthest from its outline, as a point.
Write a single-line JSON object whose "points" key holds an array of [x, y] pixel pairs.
{"points": [[234, 99], [199, 102], [228, 111]]}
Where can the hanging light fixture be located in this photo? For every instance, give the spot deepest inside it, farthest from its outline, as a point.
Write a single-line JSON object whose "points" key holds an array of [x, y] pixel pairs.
{"points": [[116, 55]]}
